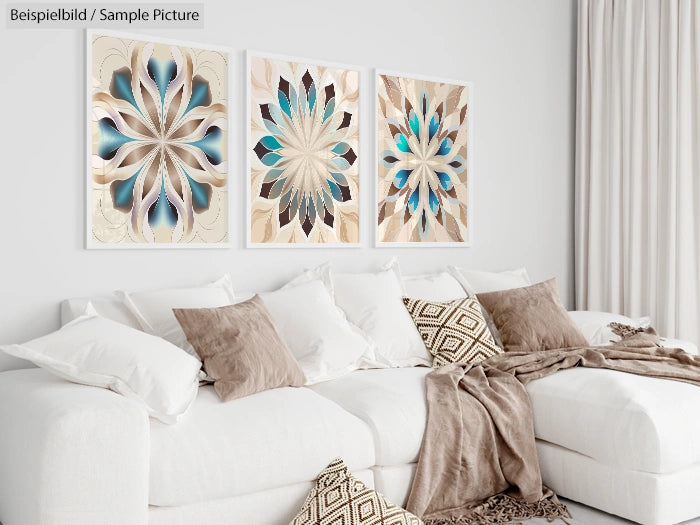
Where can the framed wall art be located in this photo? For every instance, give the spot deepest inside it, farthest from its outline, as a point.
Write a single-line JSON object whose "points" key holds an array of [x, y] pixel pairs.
{"points": [[157, 121], [424, 161], [303, 148]]}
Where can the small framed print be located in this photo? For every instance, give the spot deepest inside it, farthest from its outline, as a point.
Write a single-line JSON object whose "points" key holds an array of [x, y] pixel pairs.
{"points": [[424, 161], [303, 149], [158, 119]]}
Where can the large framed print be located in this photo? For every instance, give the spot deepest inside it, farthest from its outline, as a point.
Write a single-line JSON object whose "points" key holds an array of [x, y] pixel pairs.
{"points": [[303, 153], [157, 143], [424, 174]]}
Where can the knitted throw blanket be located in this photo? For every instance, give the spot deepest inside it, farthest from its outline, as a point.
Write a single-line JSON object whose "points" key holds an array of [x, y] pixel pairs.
{"points": [[478, 464]]}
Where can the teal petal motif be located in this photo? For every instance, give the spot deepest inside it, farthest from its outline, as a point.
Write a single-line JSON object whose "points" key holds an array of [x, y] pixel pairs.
{"points": [[271, 159], [433, 201], [330, 107], [201, 94], [111, 139], [312, 98], [210, 144], [162, 72], [201, 193], [123, 192], [413, 200], [401, 178], [120, 87], [162, 213], [402, 144], [433, 127], [414, 123], [270, 143], [284, 103], [341, 148], [445, 147], [445, 180]]}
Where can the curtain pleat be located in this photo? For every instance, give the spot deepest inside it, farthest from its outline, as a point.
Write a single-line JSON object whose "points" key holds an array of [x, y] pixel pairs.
{"points": [[637, 238]]}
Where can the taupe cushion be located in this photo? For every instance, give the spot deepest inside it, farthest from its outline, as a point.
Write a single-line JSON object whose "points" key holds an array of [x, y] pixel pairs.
{"points": [[453, 331], [338, 498], [532, 318], [240, 348]]}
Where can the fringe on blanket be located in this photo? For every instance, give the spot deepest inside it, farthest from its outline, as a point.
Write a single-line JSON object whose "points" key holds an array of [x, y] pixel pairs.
{"points": [[502, 508], [625, 330]]}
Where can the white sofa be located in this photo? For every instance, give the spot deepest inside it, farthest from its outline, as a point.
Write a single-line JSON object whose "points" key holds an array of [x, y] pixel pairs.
{"points": [[77, 455]]}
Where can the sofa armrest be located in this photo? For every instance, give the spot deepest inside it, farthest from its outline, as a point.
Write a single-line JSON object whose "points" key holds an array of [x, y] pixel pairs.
{"points": [[593, 326], [688, 346], [70, 454]]}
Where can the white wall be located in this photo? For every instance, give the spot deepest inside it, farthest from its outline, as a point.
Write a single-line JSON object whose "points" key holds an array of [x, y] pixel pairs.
{"points": [[520, 55]]}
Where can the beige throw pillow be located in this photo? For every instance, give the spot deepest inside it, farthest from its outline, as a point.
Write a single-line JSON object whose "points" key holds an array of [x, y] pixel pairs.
{"points": [[240, 348], [453, 331], [532, 318], [338, 498]]}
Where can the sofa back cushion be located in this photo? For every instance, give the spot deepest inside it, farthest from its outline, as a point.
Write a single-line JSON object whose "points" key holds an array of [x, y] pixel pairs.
{"points": [[434, 287], [154, 309], [317, 332], [475, 282], [373, 302]]}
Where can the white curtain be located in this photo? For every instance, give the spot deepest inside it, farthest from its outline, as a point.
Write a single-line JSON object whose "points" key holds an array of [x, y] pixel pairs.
{"points": [[637, 237]]}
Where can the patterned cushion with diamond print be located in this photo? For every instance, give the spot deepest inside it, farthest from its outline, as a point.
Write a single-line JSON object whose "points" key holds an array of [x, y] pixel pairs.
{"points": [[454, 331], [339, 499]]}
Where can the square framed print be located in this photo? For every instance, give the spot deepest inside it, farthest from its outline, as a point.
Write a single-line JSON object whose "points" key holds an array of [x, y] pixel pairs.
{"points": [[157, 143], [424, 161], [303, 148]]}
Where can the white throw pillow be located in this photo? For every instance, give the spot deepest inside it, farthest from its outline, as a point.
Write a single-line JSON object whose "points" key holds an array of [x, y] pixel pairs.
{"points": [[95, 351], [483, 282], [594, 325], [154, 309], [321, 272], [110, 307], [373, 302], [433, 287], [322, 340]]}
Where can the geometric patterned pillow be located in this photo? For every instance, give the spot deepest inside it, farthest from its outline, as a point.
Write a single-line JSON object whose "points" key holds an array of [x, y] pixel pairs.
{"points": [[339, 499], [454, 332]]}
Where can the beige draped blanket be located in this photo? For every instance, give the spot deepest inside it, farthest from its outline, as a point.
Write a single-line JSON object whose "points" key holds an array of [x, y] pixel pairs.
{"points": [[478, 463]]}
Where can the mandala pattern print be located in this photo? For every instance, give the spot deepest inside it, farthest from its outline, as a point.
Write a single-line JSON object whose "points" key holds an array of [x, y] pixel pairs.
{"points": [[454, 331], [159, 135], [422, 143], [304, 126]]}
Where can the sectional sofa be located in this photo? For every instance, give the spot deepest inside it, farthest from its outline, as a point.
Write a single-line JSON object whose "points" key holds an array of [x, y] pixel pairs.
{"points": [[72, 454]]}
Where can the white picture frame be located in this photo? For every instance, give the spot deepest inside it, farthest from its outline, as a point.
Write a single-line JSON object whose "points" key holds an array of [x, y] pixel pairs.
{"points": [[90, 242], [250, 55], [469, 241]]}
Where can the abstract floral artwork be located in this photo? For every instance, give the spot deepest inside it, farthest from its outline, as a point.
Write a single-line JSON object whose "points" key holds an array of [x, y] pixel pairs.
{"points": [[424, 148], [158, 144], [303, 153]]}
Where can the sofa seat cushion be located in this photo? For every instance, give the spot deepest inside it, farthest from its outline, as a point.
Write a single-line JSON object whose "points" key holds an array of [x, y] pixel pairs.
{"points": [[391, 402], [619, 419], [260, 442]]}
